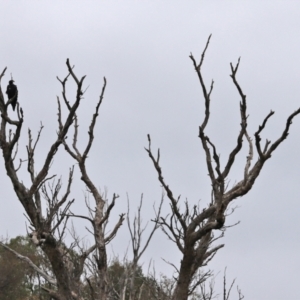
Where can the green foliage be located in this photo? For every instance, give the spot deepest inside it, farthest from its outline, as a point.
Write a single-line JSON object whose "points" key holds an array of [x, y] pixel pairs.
{"points": [[17, 279], [138, 286]]}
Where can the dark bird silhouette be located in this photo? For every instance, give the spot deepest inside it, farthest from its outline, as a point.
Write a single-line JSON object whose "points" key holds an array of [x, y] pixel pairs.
{"points": [[12, 92]]}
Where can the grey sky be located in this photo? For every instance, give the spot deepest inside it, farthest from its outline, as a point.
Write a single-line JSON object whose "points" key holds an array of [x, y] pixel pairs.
{"points": [[142, 48]]}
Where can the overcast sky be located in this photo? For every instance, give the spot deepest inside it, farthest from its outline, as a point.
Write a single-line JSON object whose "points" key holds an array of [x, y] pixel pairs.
{"points": [[142, 48]]}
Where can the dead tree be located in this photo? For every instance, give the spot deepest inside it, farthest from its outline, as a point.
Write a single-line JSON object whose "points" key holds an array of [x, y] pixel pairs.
{"points": [[191, 229], [136, 233], [48, 228], [126, 280]]}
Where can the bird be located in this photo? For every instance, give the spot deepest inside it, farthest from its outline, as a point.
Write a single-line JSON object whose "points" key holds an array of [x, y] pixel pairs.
{"points": [[12, 92]]}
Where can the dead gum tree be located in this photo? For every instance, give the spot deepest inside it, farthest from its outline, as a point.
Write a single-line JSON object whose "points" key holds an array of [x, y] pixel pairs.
{"points": [[47, 229], [191, 229]]}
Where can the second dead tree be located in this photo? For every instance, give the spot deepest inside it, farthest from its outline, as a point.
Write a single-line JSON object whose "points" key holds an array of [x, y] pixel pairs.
{"points": [[192, 229]]}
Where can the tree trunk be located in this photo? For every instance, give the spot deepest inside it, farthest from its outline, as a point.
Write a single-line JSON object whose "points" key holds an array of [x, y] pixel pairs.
{"points": [[185, 276]]}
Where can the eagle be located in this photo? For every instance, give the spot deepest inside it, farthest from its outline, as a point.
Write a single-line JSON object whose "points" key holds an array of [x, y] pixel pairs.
{"points": [[12, 93]]}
